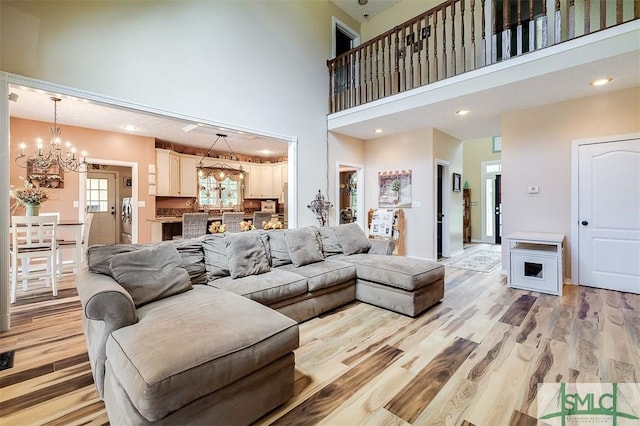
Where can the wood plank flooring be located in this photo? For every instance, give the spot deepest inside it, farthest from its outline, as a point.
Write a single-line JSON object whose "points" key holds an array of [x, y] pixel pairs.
{"points": [[473, 359]]}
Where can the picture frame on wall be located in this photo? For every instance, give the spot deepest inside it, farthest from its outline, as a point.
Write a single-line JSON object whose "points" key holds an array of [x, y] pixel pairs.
{"points": [[457, 178], [127, 182]]}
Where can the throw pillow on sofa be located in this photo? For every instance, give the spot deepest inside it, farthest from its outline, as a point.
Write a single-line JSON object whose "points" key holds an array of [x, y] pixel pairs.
{"points": [[278, 249], [215, 256], [151, 273], [304, 245], [246, 254], [330, 242], [352, 238]]}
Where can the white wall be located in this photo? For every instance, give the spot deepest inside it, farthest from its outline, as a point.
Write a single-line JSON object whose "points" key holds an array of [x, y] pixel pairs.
{"points": [[414, 151], [257, 64], [536, 150]]}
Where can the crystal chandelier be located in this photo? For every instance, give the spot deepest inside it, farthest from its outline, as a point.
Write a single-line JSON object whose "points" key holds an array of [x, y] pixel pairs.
{"points": [[220, 171], [54, 152]]}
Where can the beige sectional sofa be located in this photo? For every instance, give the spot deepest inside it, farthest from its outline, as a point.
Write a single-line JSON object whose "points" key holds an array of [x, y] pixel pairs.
{"points": [[204, 330]]}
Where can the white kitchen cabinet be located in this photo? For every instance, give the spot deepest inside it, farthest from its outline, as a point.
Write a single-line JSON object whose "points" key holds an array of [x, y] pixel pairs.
{"points": [[188, 176], [175, 174]]}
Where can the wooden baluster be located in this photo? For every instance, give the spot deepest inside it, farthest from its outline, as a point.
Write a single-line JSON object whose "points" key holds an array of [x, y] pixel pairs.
{"points": [[572, 19], [558, 15], [370, 84], [419, 50], [388, 64], [519, 30], [410, 44], [473, 32], [618, 12], [403, 71], [435, 45], [354, 77], [494, 32], [397, 64], [506, 29], [349, 81], [464, 55], [377, 93], [453, 37], [587, 17], [484, 35], [444, 43], [330, 65], [544, 25], [603, 15], [360, 77], [426, 48], [532, 28], [339, 84]]}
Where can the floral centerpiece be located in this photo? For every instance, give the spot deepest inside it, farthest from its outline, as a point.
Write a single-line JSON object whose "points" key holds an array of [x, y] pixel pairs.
{"points": [[30, 196], [217, 228], [247, 225], [271, 225]]}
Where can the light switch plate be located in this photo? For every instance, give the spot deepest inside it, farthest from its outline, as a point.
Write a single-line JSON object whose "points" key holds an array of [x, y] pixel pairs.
{"points": [[533, 189]]}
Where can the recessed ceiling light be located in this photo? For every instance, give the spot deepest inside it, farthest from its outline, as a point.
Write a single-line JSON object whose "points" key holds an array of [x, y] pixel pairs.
{"points": [[264, 152], [378, 131], [601, 81], [462, 112], [130, 127]]}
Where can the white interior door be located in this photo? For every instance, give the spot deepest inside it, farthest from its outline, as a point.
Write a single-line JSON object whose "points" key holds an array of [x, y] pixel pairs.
{"points": [[609, 215], [101, 200]]}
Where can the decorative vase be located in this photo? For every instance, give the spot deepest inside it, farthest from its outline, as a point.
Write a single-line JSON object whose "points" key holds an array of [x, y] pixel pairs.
{"points": [[32, 209]]}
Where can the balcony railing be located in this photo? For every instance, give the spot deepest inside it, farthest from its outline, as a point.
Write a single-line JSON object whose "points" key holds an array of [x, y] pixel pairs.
{"points": [[452, 38]]}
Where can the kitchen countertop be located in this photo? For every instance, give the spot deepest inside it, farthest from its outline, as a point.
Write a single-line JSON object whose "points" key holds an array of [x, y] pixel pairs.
{"points": [[178, 219]]}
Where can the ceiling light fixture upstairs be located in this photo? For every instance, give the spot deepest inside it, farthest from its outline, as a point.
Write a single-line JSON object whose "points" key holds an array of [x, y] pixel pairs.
{"points": [[52, 153], [130, 128], [378, 131], [601, 81], [220, 171], [462, 112], [363, 2]]}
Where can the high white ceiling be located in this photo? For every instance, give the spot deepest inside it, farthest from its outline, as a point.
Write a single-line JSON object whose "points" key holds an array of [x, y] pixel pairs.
{"points": [[363, 12], [36, 105]]}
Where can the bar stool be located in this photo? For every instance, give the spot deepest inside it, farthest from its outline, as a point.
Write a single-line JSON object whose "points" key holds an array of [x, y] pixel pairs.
{"points": [[232, 220], [193, 225]]}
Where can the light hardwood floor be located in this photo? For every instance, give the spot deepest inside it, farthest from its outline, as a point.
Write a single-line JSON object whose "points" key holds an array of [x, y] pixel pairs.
{"points": [[475, 358]]}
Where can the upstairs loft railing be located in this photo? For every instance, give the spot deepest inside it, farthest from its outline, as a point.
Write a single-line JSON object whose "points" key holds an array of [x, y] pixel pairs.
{"points": [[451, 39]]}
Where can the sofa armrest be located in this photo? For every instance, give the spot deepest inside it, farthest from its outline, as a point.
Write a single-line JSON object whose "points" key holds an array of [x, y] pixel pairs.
{"points": [[106, 307], [379, 246]]}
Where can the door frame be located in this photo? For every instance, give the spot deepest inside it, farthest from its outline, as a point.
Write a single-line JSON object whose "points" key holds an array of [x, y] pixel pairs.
{"points": [[446, 211], [575, 210], [483, 199], [359, 168], [82, 193], [336, 23]]}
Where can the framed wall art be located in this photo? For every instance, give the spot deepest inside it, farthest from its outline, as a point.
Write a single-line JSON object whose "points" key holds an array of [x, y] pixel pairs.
{"points": [[394, 189], [457, 177]]}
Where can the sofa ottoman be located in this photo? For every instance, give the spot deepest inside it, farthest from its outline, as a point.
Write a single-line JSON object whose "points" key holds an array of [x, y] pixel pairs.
{"points": [[401, 284], [166, 361]]}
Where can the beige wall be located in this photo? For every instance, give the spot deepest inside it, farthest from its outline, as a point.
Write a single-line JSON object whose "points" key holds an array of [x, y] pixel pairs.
{"points": [[475, 152], [99, 145], [343, 150], [536, 150], [414, 151], [448, 148], [256, 64], [395, 15]]}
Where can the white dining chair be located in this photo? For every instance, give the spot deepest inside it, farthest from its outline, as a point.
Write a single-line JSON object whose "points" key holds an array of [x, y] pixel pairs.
{"points": [[79, 248], [33, 240]]}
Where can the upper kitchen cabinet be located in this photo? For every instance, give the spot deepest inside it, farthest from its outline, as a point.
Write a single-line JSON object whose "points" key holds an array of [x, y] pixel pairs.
{"points": [[176, 174], [265, 180]]}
